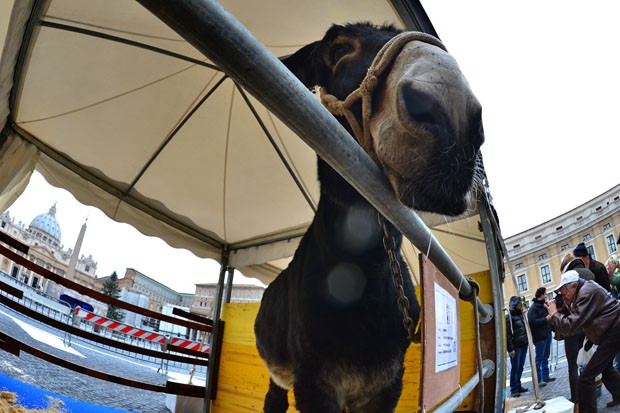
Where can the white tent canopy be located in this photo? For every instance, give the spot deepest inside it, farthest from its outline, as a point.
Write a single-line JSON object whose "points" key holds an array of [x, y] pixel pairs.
{"points": [[109, 103]]}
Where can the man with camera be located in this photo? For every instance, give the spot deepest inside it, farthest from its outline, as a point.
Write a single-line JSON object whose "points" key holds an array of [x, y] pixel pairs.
{"points": [[594, 311]]}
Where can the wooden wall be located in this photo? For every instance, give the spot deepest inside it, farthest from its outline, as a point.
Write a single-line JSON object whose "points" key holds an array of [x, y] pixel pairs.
{"points": [[243, 379]]}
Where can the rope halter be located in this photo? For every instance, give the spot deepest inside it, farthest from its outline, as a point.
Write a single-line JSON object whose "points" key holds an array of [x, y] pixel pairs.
{"points": [[383, 60]]}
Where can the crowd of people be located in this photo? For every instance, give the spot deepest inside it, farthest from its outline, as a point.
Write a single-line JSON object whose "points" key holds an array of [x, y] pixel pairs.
{"points": [[585, 315]]}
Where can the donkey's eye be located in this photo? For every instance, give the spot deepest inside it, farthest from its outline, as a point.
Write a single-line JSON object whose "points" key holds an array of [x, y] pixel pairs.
{"points": [[338, 52]]}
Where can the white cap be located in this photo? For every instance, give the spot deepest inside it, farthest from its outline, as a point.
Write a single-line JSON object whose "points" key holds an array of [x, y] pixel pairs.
{"points": [[567, 278]]}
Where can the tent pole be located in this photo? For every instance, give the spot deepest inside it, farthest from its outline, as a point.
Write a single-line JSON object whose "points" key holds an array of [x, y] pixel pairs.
{"points": [[215, 348], [229, 285], [225, 41]]}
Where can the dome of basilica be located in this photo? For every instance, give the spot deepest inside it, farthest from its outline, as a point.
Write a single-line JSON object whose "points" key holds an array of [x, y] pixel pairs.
{"points": [[47, 224]]}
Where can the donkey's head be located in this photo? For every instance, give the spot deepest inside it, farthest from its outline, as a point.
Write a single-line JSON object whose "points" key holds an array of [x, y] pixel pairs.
{"points": [[420, 121]]}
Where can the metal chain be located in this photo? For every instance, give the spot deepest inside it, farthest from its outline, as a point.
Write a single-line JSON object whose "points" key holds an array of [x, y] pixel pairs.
{"points": [[397, 277]]}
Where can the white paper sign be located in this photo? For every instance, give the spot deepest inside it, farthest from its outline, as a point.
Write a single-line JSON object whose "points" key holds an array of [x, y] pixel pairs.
{"points": [[446, 330]]}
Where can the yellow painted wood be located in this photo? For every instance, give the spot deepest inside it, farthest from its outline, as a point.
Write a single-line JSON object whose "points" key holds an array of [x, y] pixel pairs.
{"points": [[243, 379], [468, 359]]}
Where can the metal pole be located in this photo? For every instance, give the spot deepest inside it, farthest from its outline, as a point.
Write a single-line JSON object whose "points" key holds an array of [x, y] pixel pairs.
{"points": [[457, 398], [229, 285], [225, 41], [495, 262], [214, 348]]}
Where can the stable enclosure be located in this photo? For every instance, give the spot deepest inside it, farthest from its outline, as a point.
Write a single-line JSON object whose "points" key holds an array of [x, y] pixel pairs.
{"points": [[177, 118]]}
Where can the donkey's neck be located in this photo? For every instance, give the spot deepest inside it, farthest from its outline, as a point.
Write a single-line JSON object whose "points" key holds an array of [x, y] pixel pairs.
{"points": [[346, 221], [335, 188]]}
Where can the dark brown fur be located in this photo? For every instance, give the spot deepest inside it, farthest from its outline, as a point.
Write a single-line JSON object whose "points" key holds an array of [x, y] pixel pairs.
{"points": [[329, 326]]}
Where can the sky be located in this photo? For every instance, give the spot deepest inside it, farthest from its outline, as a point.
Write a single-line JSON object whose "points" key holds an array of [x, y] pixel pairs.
{"points": [[546, 75]]}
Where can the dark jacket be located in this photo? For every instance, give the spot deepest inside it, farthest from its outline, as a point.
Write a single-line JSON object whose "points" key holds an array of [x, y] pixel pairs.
{"points": [[584, 274], [600, 274], [516, 336], [593, 310], [537, 317]]}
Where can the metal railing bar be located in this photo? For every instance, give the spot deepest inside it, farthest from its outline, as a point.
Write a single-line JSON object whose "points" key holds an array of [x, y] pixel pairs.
{"points": [[454, 401], [225, 41]]}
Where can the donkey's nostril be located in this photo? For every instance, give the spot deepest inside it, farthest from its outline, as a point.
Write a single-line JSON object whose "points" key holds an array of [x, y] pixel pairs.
{"points": [[421, 107]]}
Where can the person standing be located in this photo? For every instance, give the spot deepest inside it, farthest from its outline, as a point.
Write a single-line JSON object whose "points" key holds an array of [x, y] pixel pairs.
{"points": [[541, 335], [613, 270], [516, 345], [572, 343], [612, 265], [599, 270], [593, 310]]}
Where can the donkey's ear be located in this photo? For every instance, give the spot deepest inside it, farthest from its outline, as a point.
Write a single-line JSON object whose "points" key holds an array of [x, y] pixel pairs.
{"points": [[305, 64]]}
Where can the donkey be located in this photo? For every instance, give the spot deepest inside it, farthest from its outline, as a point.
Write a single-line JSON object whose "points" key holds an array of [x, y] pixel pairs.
{"points": [[329, 326]]}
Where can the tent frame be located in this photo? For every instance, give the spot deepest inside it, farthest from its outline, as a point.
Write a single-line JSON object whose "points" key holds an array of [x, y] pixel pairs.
{"points": [[231, 47], [225, 41]]}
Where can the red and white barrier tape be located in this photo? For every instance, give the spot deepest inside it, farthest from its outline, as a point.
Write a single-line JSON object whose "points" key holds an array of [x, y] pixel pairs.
{"points": [[138, 333]]}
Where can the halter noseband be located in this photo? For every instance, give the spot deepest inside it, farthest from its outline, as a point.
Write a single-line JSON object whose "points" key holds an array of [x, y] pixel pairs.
{"points": [[384, 58]]}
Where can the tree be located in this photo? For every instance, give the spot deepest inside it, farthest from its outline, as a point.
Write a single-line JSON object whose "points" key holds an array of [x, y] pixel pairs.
{"points": [[110, 288]]}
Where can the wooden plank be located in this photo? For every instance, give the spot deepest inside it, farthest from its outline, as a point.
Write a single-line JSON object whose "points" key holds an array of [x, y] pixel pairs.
{"points": [[243, 378], [410, 397], [242, 329], [15, 292], [173, 387], [191, 316], [9, 240], [9, 347]]}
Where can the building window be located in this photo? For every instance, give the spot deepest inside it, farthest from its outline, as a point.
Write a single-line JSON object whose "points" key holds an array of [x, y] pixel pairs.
{"points": [[545, 274], [522, 282], [591, 251], [565, 247], [607, 227], [542, 257], [587, 237], [611, 244], [519, 265]]}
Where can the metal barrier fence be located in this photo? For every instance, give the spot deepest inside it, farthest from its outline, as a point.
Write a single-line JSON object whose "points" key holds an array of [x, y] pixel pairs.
{"points": [[39, 302]]}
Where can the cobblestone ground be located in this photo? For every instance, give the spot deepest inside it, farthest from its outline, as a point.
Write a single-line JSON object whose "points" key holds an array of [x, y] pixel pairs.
{"points": [[39, 373], [557, 388]]}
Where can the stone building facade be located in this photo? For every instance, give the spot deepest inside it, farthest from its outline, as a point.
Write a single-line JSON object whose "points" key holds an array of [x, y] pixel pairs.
{"points": [[204, 297], [43, 237], [535, 254], [140, 289]]}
